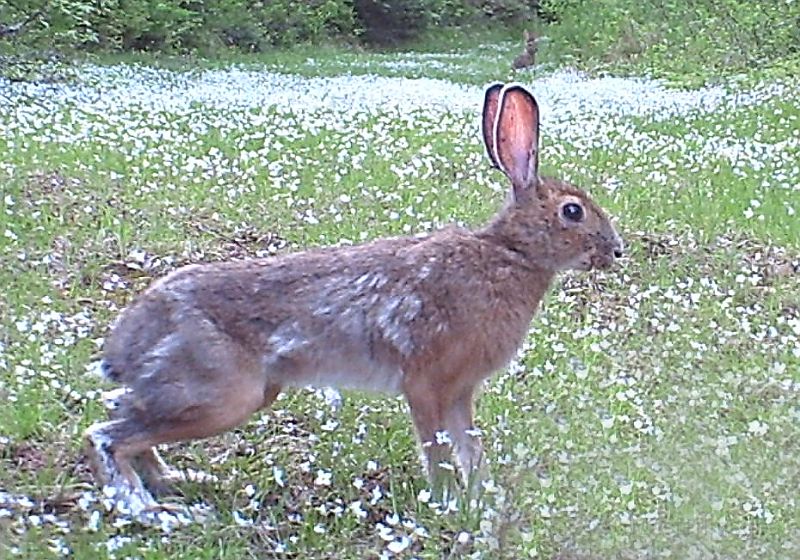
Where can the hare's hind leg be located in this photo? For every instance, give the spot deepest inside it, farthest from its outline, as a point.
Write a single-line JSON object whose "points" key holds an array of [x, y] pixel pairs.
{"points": [[160, 478], [169, 415], [164, 411], [118, 451], [158, 475]]}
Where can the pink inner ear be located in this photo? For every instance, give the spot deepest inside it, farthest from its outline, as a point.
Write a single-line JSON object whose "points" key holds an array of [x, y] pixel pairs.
{"points": [[517, 136], [490, 106]]}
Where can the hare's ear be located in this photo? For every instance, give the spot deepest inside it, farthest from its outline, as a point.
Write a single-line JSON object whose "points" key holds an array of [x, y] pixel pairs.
{"points": [[516, 139], [489, 116]]}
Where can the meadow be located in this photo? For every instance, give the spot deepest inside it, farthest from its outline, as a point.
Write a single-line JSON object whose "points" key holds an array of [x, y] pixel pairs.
{"points": [[653, 411]]}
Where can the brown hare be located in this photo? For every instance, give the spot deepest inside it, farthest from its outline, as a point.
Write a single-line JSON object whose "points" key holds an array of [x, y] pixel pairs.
{"points": [[527, 57], [430, 317]]}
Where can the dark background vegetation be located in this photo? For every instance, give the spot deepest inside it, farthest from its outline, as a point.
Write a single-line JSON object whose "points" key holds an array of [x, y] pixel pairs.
{"points": [[712, 36], [248, 25]]}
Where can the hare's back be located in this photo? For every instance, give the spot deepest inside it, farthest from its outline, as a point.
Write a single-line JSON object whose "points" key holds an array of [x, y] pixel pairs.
{"points": [[349, 316], [289, 313]]}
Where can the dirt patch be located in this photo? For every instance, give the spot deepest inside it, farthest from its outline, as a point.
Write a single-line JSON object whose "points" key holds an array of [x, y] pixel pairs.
{"points": [[27, 457], [49, 186], [568, 554], [243, 242]]}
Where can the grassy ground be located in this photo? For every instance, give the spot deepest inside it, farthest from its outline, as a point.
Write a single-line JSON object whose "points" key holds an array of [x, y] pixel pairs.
{"points": [[463, 58], [651, 414]]}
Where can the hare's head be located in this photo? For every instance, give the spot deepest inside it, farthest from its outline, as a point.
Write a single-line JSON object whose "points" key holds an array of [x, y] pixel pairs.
{"points": [[550, 221], [530, 39]]}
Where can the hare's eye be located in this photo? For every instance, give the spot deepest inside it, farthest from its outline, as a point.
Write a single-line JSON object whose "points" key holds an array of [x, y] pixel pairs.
{"points": [[572, 212]]}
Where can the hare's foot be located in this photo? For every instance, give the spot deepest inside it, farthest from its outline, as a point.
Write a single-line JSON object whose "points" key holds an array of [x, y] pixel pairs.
{"points": [[158, 477], [113, 470], [446, 484], [123, 490], [169, 515], [164, 480]]}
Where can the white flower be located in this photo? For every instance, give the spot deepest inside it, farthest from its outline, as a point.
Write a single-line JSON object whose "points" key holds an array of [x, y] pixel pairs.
{"points": [[357, 510], [443, 438], [94, 521], [240, 520], [323, 478], [399, 545], [277, 474], [757, 428]]}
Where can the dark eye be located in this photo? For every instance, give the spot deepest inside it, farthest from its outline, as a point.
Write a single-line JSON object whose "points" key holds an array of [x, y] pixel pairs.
{"points": [[572, 212]]}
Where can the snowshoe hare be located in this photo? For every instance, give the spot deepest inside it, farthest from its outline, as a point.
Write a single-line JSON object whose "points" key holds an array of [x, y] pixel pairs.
{"points": [[430, 317], [528, 55]]}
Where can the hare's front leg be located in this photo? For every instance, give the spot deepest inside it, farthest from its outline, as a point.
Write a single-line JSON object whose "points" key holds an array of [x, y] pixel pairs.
{"points": [[466, 438], [442, 419]]}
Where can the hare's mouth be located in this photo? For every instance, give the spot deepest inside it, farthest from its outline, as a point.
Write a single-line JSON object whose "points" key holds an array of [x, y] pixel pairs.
{"points": [[583, 264]]}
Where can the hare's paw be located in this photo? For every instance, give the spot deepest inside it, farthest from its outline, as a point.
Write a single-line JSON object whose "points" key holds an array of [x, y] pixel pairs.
{"points": [[169, 481]]}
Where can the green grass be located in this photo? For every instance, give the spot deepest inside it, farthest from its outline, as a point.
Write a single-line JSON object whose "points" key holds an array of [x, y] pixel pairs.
{"points": [[653, 411], [474, 63]]}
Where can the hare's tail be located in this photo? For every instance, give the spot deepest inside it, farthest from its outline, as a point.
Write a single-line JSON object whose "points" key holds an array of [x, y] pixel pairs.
{"points": [[103, 369], [108, 371]]}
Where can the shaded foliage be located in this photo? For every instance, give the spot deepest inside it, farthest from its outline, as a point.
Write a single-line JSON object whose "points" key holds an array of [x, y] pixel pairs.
{"points": [[250, 25]]}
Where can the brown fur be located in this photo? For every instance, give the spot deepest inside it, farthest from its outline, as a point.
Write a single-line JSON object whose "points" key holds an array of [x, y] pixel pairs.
{"points": [[430, 317], [527, 57]]}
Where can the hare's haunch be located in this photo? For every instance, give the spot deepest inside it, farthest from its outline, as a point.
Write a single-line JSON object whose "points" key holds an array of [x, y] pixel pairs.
{"points": [[430, 317]]}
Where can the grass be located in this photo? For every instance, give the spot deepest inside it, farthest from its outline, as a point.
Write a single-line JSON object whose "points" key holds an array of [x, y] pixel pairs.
{"points": [[473, 63], [651, 413]]}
